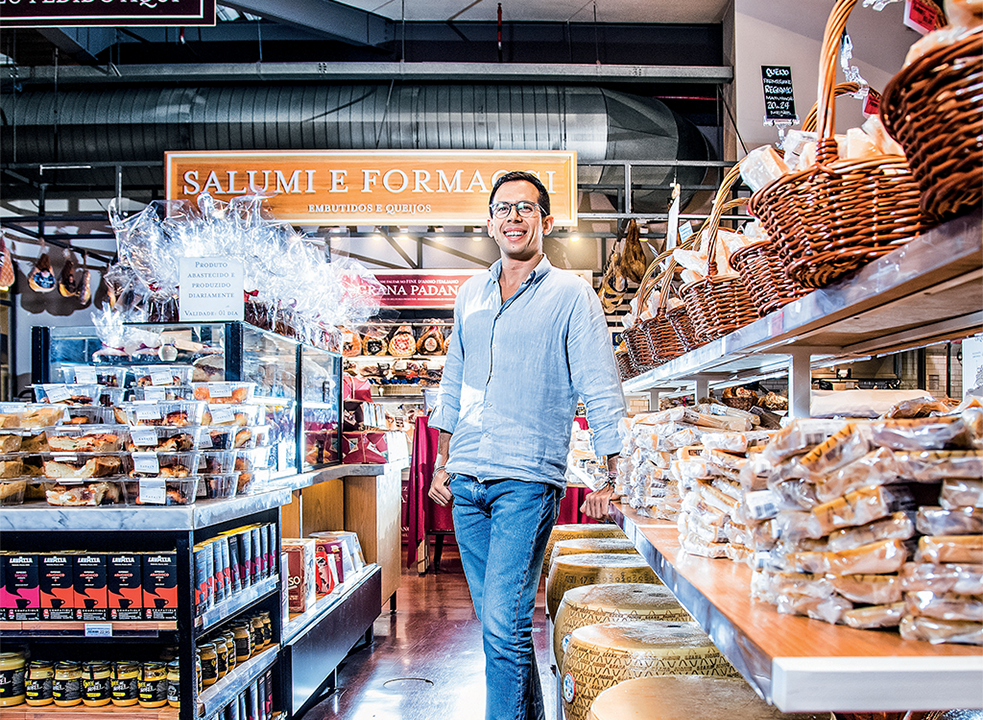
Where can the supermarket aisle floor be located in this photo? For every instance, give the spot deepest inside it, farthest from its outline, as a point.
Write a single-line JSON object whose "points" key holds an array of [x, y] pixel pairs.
{"points": [[426, 662]]}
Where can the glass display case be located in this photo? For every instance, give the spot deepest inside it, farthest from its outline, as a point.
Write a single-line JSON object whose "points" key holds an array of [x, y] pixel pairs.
{"points": [[298, 385]]}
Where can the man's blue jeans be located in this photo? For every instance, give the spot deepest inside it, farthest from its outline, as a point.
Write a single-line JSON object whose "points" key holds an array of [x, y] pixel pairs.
{"points": [[501, 528]]}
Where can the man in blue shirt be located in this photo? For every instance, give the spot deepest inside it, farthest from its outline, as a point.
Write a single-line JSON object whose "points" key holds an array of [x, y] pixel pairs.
{"points": [[528, 341]]}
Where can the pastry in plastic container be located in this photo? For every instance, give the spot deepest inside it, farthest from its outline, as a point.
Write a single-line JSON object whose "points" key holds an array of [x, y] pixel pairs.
{"points": [[252, 437], [217, 437], [161, 464], [961, 492], [941, 631], [81, 466], [958, 521], [29, 415], [77, 493], [216, 462], [12, 490], [89, 415], [950, 549], [220, 414], [962, 579], [164, 439], [161, 491], [944, 606], [162, 374], [861, 507], [874, 616], [105, 375], [225, 393], [11, 442], [173, 414], [218, 486], [163, 393], [85, 438], [67, 394]]}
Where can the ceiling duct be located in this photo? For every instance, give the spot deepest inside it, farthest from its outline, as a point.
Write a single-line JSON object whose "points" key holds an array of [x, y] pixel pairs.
{"points": [[140, 124]]}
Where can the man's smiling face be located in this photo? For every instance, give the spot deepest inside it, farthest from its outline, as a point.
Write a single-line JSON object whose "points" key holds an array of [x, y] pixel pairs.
{"points": [[519, 238]]}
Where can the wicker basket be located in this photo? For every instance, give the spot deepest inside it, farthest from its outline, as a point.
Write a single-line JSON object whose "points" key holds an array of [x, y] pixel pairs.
{"points": [[739, 403], [626, 370], [934, 108], [832, 218], [765, 278], [641, 354], [718, 305]]}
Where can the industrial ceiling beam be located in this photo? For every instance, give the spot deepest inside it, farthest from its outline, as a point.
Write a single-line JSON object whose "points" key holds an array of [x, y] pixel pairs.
{"points": [[341, 22], [82, 44]]}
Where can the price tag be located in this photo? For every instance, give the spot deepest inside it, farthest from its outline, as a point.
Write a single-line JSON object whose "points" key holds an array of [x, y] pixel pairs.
{"points": [[85, 375], [779, 97], [920, 16], [205, 442], [161, 376], [762, 504], [146, 463], [685, 231], [65, 457], [153, 491], [148, 412], [56, 393], [144, 437], [154, 394], [219, 390], [872, 103], [222, 414], [98, 630]]}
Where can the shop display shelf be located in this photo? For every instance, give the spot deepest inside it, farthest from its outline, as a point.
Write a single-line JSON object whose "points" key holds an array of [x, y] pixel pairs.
{"points": [[925, 292], [394, 358], [214, 698], [119, 518], [80, 712], [338, 471], [227, 608], [300, 622], [798, 664], [64, 630]]}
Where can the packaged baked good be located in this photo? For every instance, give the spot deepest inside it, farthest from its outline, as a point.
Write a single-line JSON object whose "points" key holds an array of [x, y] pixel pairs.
{"points": [[896, 526], [10, 443], [12, 490], [958, 521], [735, 552], [801, 584], [935, 465], [874, 616], [941, 631], [869, 589], [224, 393], [163, 439], [800, 436], [877, 467], [850, 443], [161, 464], [234, 415], [950, 549], [944, 606], [962, 579], [861, 507], [932, 433], [828, 609], [795, 493], [79, 494], [161, 491], [732, 442], [85, 438], [885, 556], [160, 375], [81, 466], [172, 414], [67, 394], [724, 459], [216, 462], [961, 492], [696, 546], [795, 525]]}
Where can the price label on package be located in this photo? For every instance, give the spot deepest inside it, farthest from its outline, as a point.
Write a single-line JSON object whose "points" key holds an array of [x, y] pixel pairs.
{"points": [[154, 394], [161, 376], [153, 491], [144, 437], [150, 411], [219, 390], [56, 393], [146, 463], [921, 16], [85, 376], [221, 414]]}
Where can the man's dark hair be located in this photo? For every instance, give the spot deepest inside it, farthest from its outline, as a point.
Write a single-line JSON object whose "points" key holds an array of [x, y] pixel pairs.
{"points": [[544, 197]]}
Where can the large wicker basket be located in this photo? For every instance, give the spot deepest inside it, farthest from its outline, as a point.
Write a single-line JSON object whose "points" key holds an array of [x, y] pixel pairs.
{"points": [[934, 108], [832, 218], [718, 304]]}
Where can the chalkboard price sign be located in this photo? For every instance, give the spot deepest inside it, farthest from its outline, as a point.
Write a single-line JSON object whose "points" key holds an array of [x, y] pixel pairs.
{"points": [[779, 101]]}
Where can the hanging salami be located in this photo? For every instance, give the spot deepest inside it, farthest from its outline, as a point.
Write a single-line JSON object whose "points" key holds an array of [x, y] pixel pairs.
{"points": [[402, 344]]}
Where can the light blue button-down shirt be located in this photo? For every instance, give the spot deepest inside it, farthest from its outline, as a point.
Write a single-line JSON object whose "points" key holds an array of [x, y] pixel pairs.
{"points": [[515, 370]]}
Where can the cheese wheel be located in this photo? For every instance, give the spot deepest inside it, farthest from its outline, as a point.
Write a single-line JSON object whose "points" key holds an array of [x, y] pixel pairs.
{"points": [[579, 546], [573, 531], [600, 656], [612, 602], [687, 697], [570, 571]]}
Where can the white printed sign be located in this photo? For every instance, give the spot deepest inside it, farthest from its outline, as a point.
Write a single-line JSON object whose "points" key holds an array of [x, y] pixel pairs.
{"points": [[210, 289]]}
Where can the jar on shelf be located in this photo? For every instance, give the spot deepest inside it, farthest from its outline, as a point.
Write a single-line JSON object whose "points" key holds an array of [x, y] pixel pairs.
{"points": [[97, 680], [230, 645], [221, 658], [209, 664], [37, 687], [66, 687], [126, 684], [259, 641], [12, 673], [174, 683], [153, 685], [267, 628], [244, 640]]}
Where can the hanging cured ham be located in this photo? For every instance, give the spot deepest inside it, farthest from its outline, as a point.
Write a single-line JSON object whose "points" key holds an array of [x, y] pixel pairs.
{"points": [[41, 279], [402, 344], [431, 342], [67, 282]]}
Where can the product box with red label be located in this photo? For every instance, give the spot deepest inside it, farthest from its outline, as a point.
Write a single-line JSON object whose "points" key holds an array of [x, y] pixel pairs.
{"points": [[57, 576], [91, 595], [125, 586], [301, 576], [160, 586], [333, 547], [363, 447], [20, 593]]}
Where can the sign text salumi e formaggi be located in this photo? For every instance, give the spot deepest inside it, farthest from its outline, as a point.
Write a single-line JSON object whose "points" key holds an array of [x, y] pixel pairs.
{"points": [[372, 187]]}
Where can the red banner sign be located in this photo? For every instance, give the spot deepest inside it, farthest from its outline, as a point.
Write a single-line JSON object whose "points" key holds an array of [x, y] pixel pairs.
{"points": [[421, 288], [85, 13]]}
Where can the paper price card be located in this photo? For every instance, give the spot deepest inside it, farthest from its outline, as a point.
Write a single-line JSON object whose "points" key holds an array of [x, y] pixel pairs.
{"points": [[153, 491]]}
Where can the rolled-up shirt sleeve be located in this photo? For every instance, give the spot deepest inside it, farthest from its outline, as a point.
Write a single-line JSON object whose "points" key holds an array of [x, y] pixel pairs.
{"points": [[445, 415], [594, 373]]}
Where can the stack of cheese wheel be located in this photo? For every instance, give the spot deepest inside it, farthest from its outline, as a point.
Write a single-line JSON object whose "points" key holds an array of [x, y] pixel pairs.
{"points": [[578, 530], [612, 602], [687, 697], [600, 656], [570, 571], [580, 546]]}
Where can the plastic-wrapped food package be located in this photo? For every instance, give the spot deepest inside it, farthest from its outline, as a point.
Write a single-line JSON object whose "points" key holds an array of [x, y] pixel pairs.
{"points": [[729, 488], [723, 458], [695, 546], [718, 500], [877, 467], [951, 549], [845, 446], [754, 475], [801, 584], [728, 442], [886, 556], [764, 535], [965, 579], [869, 589], [933, 433], [796, 493], [861, 507], [958, 521], [874, 616], [828, 609], [896, 526], [739, 553], [762, 166], [941, 631], [794, 525], [800, 436], [944, 606], [961, 492], [935, 465]]}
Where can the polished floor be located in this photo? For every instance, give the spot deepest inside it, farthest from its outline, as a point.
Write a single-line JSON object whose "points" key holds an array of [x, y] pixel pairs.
{"points": [[426, 662]]}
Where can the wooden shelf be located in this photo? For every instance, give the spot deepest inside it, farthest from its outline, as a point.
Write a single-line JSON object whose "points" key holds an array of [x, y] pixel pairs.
{"points": [[81, 712], [798, 664], [76, 629]]}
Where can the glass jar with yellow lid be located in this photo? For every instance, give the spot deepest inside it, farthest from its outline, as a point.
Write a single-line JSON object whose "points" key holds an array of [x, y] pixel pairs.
{"points": [[12, 673], [37, 688], [153, 685], [126, 683], [97, 684], [66, 688], [174, 683], [209, 664]]}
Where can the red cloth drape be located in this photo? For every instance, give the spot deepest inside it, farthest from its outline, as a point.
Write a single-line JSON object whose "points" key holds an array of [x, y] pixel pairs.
{"points": [[422, 513]]}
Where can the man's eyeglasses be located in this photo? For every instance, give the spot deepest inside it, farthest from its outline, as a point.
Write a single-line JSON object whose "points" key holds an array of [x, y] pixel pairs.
{"points": [[525, 208]]}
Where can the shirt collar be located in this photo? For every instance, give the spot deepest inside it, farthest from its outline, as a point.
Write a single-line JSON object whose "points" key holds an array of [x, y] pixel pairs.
{"points": [[538, 272]]}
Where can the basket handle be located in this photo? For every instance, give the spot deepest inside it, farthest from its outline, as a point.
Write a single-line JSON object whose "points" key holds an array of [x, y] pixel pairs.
{"points": [[720, 204], [826, 147]]}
